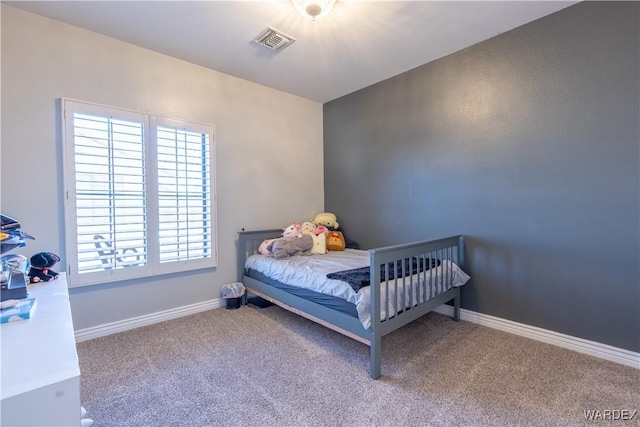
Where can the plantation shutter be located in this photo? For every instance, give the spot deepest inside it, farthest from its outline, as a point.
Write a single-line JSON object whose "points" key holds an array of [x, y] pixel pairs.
{"points": [[110, 192], [140, 194], [184, 193]]}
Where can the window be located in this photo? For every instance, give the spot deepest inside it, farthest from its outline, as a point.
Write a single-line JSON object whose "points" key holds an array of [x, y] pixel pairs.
{"points": [[139, 192]]}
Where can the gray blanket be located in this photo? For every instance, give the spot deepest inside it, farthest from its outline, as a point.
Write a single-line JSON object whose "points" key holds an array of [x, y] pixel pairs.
{"points": [[286, 247]]}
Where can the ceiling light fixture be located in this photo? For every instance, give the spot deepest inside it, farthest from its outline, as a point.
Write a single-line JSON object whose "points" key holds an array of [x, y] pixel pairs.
{"points": [[313, 8]]}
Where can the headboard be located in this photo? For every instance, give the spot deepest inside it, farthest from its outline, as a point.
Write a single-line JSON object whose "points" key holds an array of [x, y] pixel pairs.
{"points": [[248, 242]]}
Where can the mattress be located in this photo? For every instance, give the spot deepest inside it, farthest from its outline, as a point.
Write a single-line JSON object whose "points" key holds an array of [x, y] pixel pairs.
{"points": [[310, 273], [325, 300]]}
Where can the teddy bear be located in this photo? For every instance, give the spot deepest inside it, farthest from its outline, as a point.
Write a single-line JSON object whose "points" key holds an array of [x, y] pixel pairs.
{"points": [[286, 247], [40, 270]]}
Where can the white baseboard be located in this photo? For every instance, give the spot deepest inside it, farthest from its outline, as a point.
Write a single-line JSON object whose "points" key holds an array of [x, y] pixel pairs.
{"points": [[148, 319], [592, 348]]}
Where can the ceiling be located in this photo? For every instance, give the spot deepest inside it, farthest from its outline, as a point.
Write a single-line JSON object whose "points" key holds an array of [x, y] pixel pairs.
{"points": [[358, 44]]}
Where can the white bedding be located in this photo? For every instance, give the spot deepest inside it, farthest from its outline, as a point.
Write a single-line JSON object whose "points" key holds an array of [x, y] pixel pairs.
{"points": [[310, 272]]}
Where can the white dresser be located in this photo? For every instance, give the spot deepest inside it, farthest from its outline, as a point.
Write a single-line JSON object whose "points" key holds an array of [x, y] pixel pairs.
{"points": [[40, 370]]}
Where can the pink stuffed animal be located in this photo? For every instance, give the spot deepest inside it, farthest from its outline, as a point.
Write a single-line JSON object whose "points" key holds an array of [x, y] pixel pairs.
{"points": [[294, 230], [321, 229]]}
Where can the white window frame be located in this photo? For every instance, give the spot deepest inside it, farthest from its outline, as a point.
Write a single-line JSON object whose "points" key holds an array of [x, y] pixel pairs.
{"points": [[153, 265]]}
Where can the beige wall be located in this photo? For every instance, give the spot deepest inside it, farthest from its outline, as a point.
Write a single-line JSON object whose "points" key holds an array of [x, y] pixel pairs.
{"points": [[269, 167]]}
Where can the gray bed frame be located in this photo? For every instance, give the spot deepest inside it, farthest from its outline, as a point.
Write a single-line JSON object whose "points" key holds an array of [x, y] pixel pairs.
{"points": [[447, 248]]}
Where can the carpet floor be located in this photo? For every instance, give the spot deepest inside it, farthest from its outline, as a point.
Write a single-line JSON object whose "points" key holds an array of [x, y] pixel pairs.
{"points": [[269, 367]]}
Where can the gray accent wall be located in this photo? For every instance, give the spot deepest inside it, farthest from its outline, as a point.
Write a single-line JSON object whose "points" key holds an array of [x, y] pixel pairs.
{"points": [[527, 144]]}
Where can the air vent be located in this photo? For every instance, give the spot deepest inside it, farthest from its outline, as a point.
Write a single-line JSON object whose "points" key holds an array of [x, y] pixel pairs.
{"points": [[274, 39]]}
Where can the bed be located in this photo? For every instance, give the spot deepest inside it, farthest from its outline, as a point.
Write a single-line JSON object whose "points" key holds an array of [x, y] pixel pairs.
{"points": [[403, 283]]}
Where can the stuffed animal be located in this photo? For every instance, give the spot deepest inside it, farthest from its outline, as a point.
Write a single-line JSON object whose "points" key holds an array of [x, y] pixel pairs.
{"points": [[265, 247], [286, 247], [293, 230], [335, 241], [319, 244], [41, 264], [330, 221], [321, 229], [327, 219], [308, 227]]}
